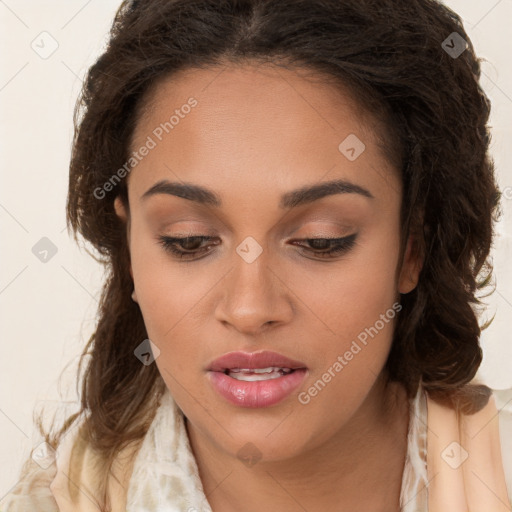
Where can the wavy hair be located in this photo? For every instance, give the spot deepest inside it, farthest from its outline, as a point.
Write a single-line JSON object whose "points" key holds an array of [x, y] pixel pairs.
{"points": [[390, 55]]}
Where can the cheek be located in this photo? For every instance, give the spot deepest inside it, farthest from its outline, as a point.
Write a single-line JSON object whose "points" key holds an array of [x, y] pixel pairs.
{"points": [[350, 295], [172, 297], [356, 311], [161, 287]]}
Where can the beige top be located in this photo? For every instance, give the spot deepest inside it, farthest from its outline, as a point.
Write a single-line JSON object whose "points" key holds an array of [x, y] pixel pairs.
{"points": [[469, 466]]}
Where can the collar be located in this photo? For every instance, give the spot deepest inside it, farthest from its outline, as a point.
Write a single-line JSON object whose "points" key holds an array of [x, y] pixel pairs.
{"points": [[165, 475]]}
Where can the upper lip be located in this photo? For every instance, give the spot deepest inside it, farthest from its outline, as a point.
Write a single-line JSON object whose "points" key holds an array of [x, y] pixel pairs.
{"points": [[252, 360]]}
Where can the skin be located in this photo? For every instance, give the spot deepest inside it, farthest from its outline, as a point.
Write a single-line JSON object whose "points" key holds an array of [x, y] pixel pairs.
{"points": [[256, 133]]}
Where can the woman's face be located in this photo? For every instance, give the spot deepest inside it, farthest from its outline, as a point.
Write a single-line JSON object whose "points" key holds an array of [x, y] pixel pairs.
{"points": [[256, 139]]}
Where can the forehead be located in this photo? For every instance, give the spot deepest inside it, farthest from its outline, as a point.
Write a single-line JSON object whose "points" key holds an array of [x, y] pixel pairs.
{"points": [[251, 89], [253, 126]]}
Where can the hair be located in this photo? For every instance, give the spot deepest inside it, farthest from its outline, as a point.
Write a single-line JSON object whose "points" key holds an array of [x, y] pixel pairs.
{"points": [[434, 113]]}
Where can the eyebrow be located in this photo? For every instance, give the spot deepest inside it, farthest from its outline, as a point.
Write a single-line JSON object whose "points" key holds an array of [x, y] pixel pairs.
{"points": [[291, 199]]}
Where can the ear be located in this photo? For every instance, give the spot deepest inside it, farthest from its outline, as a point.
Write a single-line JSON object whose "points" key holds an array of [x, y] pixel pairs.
{"points": [[122, 213], [120, 209], [411, 267]]}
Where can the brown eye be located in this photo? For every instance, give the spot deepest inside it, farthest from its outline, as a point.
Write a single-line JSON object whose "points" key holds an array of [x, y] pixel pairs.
{"points": [[330, 247], [191, 246], [185, 247]]}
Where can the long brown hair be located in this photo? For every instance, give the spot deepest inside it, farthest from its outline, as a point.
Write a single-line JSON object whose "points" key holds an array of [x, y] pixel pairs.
{"points": [[392, 56]]}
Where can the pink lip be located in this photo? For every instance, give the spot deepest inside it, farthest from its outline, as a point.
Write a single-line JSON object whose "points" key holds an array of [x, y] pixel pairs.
{"points": [[251, 360], [263, 393]]}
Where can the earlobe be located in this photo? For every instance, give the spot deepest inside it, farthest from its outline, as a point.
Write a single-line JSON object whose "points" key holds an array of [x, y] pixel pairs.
{"points": [[411, 268], [120, 209]]}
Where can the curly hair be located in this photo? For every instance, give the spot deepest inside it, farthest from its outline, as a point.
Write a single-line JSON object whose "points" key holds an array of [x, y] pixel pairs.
{"points": [[389, 54]]}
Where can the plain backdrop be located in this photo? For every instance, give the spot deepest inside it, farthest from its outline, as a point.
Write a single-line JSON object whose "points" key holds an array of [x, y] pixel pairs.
{"points": [[48, 307]]}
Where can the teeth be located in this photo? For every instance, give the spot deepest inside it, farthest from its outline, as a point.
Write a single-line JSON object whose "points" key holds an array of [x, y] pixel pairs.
{"points": [[256, 374], [259, 370]]}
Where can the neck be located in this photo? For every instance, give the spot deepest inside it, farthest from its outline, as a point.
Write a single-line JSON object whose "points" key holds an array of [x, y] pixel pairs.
{"points": [[359, 468]]}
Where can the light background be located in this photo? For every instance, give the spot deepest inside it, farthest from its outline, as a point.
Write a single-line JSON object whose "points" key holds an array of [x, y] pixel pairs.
{"points": [[48, 309]]}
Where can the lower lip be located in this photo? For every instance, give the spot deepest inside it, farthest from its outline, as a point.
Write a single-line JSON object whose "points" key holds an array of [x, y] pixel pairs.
{"points": [[261, 393]]}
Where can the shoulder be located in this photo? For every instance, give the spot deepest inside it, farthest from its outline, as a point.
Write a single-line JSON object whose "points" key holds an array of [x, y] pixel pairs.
{"points": [[32, 491], [65, 484], [34, 488], [469, 454], [80, 471], [503, 402]]}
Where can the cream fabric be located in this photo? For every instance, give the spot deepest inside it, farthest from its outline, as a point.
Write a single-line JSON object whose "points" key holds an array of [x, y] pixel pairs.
{"points": [[165, 476]]}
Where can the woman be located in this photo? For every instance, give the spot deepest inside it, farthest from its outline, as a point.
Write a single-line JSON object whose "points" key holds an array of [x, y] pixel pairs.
{"points": [[295, 204]]}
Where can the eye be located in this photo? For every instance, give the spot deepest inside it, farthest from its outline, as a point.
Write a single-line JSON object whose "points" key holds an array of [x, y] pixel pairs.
{"points": [[186, 248], [189, 244], [330, 247]]}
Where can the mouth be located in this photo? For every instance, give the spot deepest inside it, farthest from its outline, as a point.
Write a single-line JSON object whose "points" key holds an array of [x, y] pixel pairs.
{"points": [[256, 374], [257, 379]]}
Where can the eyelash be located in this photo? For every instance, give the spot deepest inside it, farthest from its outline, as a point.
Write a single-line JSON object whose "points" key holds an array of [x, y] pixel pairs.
{"points": [[341, 246]]}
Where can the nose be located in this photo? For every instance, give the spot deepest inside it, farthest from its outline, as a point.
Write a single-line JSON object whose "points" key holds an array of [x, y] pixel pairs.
{"points": [[254, 296]]}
